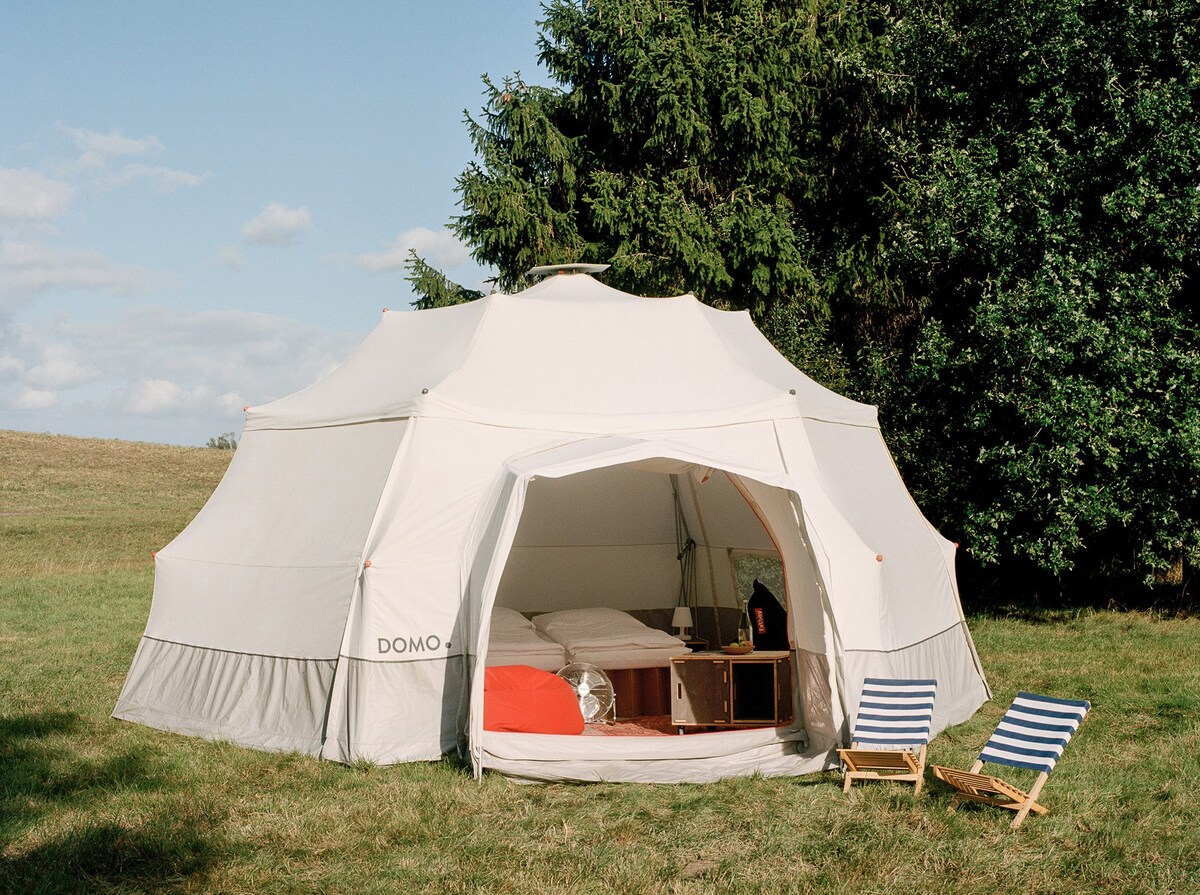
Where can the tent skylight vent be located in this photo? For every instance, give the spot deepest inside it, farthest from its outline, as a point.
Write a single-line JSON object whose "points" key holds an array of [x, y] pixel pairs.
{"points": [[550, 269]]}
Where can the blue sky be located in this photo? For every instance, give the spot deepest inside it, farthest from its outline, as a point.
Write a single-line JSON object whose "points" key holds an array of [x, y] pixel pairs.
{"points": [[205, 205]]}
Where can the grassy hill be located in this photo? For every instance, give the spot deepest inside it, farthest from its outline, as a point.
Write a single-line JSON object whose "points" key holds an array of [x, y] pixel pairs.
{"points": [[83, 504], [93, 805]]}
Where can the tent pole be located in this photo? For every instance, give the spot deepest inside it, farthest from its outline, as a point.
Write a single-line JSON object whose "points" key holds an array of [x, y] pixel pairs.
{"points": [[712, 574]]}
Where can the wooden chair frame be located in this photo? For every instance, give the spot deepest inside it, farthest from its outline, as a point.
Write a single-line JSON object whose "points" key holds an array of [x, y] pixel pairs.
{"points": [[972, 786], [1039, 723], [899, 765]]}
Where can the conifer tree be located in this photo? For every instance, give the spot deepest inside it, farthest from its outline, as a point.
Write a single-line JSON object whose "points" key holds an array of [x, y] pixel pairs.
{"points": [[718, 148]]}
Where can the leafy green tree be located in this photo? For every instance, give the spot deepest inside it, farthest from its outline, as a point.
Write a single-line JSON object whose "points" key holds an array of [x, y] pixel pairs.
{"points": [[1046, 197], [432, 287], [979, 215], [227, 441]]}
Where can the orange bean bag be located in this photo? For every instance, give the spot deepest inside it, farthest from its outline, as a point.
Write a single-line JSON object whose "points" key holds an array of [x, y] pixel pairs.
{"points": [[523, 699]]}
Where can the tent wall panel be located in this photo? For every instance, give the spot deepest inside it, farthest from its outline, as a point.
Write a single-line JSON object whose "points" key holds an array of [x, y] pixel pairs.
{"points": [[635, 373], [294, 498], [269, 564], [612, 506], [729, 522], [947, 657], [260, 701], [435, 342], [399, 711], [632, 576], [751, 350], [413, 587], [296, 613], [857, 472]]}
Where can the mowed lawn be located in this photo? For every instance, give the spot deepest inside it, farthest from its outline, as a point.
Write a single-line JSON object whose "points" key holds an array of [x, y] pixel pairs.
{"points": [[89, 804]]}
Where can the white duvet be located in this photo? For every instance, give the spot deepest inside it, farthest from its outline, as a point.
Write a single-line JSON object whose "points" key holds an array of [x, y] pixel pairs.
{"points": [[515, 641], [601, 629]]}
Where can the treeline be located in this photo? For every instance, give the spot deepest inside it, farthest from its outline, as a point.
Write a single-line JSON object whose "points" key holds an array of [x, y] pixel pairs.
{"points": [[981, 216]]}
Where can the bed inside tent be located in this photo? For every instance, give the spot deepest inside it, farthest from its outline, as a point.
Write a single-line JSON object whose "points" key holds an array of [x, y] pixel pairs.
{"points": [[642, 538]]}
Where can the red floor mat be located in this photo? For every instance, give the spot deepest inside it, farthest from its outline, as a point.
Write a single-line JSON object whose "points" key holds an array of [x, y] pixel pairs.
{"points": [[642, 726]]}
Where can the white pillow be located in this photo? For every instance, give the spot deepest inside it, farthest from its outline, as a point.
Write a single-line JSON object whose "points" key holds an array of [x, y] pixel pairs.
{"points": [[602, 616], [602, 628], [505, 618]]}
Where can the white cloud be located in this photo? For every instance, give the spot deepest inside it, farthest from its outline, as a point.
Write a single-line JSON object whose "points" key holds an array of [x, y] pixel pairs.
{"points": [[99, 147], [149, 396], [162, 179], [33, 399], [440, 248], [231, 257], [157, 373], [11, 366], [28, 269], [277, 225], [27, 197], [60, 368], [97, 152]]}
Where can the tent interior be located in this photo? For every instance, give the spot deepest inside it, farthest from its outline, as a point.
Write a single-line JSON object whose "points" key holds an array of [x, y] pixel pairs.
{"points": [[644, 537]]}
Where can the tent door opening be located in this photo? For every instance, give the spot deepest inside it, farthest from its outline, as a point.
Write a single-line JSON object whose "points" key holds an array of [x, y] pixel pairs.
{"points": [[609, 538], [592, 524]]}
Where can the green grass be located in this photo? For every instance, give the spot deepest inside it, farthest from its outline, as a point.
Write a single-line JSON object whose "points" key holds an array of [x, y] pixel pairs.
{"points": [[89, 804]]}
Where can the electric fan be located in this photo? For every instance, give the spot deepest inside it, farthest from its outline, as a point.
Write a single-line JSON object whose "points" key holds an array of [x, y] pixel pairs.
{"points": [[597, 700]]}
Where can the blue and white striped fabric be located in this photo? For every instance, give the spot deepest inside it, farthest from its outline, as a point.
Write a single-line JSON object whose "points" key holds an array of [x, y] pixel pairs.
{"points": [[894, 713], [1034, 731]]}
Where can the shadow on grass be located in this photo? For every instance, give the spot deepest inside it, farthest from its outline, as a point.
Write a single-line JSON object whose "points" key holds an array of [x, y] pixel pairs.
{"points": [[169, 852], [38, 770], [41, 778]]}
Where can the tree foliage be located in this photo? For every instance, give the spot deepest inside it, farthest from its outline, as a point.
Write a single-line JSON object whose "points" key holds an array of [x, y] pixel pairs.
{"points": [[432, 287], [226, 441], [1045, 199], [977, 214], [720, 148]]}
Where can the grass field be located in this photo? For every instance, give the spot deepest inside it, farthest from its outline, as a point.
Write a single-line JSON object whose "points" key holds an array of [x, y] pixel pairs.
{"points": [[89, 804]]}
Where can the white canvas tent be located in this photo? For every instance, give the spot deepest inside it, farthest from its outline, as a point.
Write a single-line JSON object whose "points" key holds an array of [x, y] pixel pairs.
{"points": [[535, 451]]}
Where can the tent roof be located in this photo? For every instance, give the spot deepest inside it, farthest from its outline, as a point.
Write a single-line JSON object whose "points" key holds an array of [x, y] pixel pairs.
{"points": [[569, 354]]}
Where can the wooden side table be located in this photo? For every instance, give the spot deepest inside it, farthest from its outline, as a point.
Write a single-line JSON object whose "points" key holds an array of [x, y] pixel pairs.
{"points": [[713, 689]]}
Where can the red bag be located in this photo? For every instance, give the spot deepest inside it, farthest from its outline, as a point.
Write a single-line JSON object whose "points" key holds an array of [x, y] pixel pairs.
{"points": [[523, 699]]}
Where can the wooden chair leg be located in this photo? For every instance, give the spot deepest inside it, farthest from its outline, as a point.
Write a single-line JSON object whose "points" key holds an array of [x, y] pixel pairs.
{"points": [[920, 772], [1034, 792]]}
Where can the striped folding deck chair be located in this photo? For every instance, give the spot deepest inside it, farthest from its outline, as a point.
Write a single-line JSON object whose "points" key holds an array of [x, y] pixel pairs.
{"points": [[891, 732], [1032, 734]]}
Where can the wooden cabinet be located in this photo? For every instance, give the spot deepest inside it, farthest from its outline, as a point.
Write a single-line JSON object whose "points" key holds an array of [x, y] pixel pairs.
{"points": [[711, 689]]}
